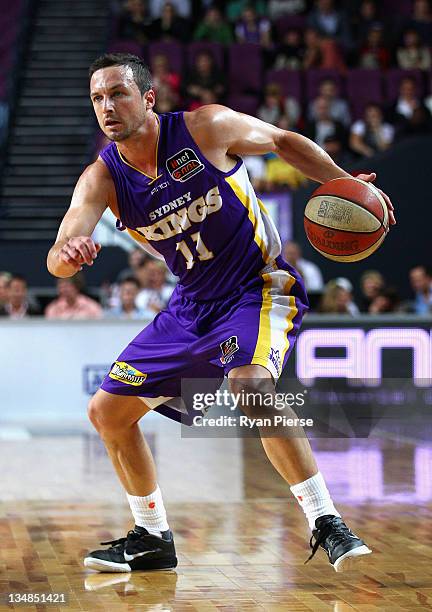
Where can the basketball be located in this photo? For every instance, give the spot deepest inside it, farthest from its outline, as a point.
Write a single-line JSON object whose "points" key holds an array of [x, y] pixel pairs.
{"points": [[346, 219]]}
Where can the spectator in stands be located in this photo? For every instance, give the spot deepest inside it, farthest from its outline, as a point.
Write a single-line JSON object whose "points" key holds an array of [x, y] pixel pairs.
{"points": [[214, 28], [281, 174], [321, 52], [367, 17], [310, 272], [136, 257], [205, 79], [290, 53], [375, 54], [164, 76], [421, 284], [371, 134], [235, 8], [419, 124], [275, 106], [313, 55], [252, 28], [338, 298], [330, 22], [5, 278], [18, 304], [156, 292], [280, 8], [127, 308], [422, 20], [170, 26], [71, 303], [135, 21], [166, 100], [386, 301], [337, 151], [324, 126], [371, 285], [338, 107], [278, 172], [413, 54], [183, 8], [407, 102]]}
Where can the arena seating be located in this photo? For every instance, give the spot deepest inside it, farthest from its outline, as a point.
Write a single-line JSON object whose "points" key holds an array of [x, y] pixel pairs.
{"points": [[243, 64]]}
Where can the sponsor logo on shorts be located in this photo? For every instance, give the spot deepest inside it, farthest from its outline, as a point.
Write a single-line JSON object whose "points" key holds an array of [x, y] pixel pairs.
{"points": [[228, 348], [125, 373], [184, 165], [274, 357]]}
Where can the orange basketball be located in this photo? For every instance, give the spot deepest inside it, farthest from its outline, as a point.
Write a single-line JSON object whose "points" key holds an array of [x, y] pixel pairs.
{"points": [[346, 219]]}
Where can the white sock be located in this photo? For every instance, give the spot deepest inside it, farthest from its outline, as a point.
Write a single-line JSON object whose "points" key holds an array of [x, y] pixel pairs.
{"points": [[149, 511], [314, 498]]}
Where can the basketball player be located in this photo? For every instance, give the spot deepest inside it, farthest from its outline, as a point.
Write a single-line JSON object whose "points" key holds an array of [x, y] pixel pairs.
{"points": [[178, 184]]}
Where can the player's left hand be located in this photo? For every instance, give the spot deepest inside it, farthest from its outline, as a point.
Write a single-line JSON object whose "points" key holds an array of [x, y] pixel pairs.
{"points": [[369, 178]]}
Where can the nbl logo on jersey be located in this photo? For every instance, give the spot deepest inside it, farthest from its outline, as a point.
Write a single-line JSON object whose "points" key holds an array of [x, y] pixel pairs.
{"points": [[184, 165]]}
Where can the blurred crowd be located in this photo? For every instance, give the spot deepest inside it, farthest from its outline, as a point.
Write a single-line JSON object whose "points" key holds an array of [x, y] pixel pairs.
{"points": [[327, 34], [144, 288]]}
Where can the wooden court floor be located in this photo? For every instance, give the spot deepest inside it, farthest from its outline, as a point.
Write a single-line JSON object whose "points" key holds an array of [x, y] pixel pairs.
{"points": [[241, 539]]}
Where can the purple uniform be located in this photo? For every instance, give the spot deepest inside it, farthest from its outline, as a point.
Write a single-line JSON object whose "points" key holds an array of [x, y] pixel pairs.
{"points": [[237, 301]]}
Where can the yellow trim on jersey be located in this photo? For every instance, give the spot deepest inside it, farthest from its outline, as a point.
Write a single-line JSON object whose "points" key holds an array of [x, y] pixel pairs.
{"points": [[153, 178], [263, 345], [246, 201], [262, 207], [137, 236]]}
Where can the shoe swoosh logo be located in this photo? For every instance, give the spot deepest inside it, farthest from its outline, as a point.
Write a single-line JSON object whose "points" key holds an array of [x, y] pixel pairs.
{"points": [[140, 554]]}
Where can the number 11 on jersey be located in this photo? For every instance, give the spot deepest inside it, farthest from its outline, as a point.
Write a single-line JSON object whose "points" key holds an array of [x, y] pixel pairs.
{"points": [[203, 253]]}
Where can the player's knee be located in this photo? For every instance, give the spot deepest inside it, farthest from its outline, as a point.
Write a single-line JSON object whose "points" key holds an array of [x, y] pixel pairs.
{"points": [[94, 412], [101, 415], [254, 394]]}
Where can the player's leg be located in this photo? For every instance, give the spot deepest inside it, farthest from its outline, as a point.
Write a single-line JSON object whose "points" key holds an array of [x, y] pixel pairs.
{"points": [[292, 457], [257, 331], [149, 545], [143, 377], [115, 417]]}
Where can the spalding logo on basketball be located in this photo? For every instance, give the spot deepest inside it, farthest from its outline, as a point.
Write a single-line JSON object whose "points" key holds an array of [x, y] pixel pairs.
{"points": [[346, 219]]}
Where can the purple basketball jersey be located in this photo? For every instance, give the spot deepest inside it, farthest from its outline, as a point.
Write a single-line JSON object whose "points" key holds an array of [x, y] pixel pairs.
{"points": [[208, 225]]}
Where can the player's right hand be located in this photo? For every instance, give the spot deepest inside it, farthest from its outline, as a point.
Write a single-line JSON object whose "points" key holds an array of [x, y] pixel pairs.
{"points": [[78, 251]]}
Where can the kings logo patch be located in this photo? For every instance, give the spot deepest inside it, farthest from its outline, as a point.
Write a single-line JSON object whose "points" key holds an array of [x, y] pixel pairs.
{"points": [[228, 348]]}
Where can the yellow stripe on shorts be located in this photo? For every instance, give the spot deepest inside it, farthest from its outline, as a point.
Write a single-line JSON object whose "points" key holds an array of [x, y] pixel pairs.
{"points": [[263, 345]]}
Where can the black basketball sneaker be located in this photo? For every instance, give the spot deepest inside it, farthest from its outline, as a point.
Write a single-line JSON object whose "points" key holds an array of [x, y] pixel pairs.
{"points": [[342, 546], [139, 550]]}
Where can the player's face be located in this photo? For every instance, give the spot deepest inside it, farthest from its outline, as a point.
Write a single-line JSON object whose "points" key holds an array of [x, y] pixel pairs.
{"points": [[119, 106]]}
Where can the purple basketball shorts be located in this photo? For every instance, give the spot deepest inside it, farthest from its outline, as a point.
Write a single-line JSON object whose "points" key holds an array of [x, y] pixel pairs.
{"points": [[256, 324]]}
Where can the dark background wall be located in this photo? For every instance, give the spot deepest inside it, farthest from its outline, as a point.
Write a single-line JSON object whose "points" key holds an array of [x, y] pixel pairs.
{"points": [[405, 174]]}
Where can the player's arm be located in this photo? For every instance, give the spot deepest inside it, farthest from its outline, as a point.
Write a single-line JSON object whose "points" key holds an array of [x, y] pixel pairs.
{"points": [[239, 134], [74, 245]]}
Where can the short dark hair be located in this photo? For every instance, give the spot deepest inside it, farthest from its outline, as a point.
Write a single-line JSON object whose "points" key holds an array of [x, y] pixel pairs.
{"points": [[77, 281], [20, 278], [130, 279], [140, 70]]}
